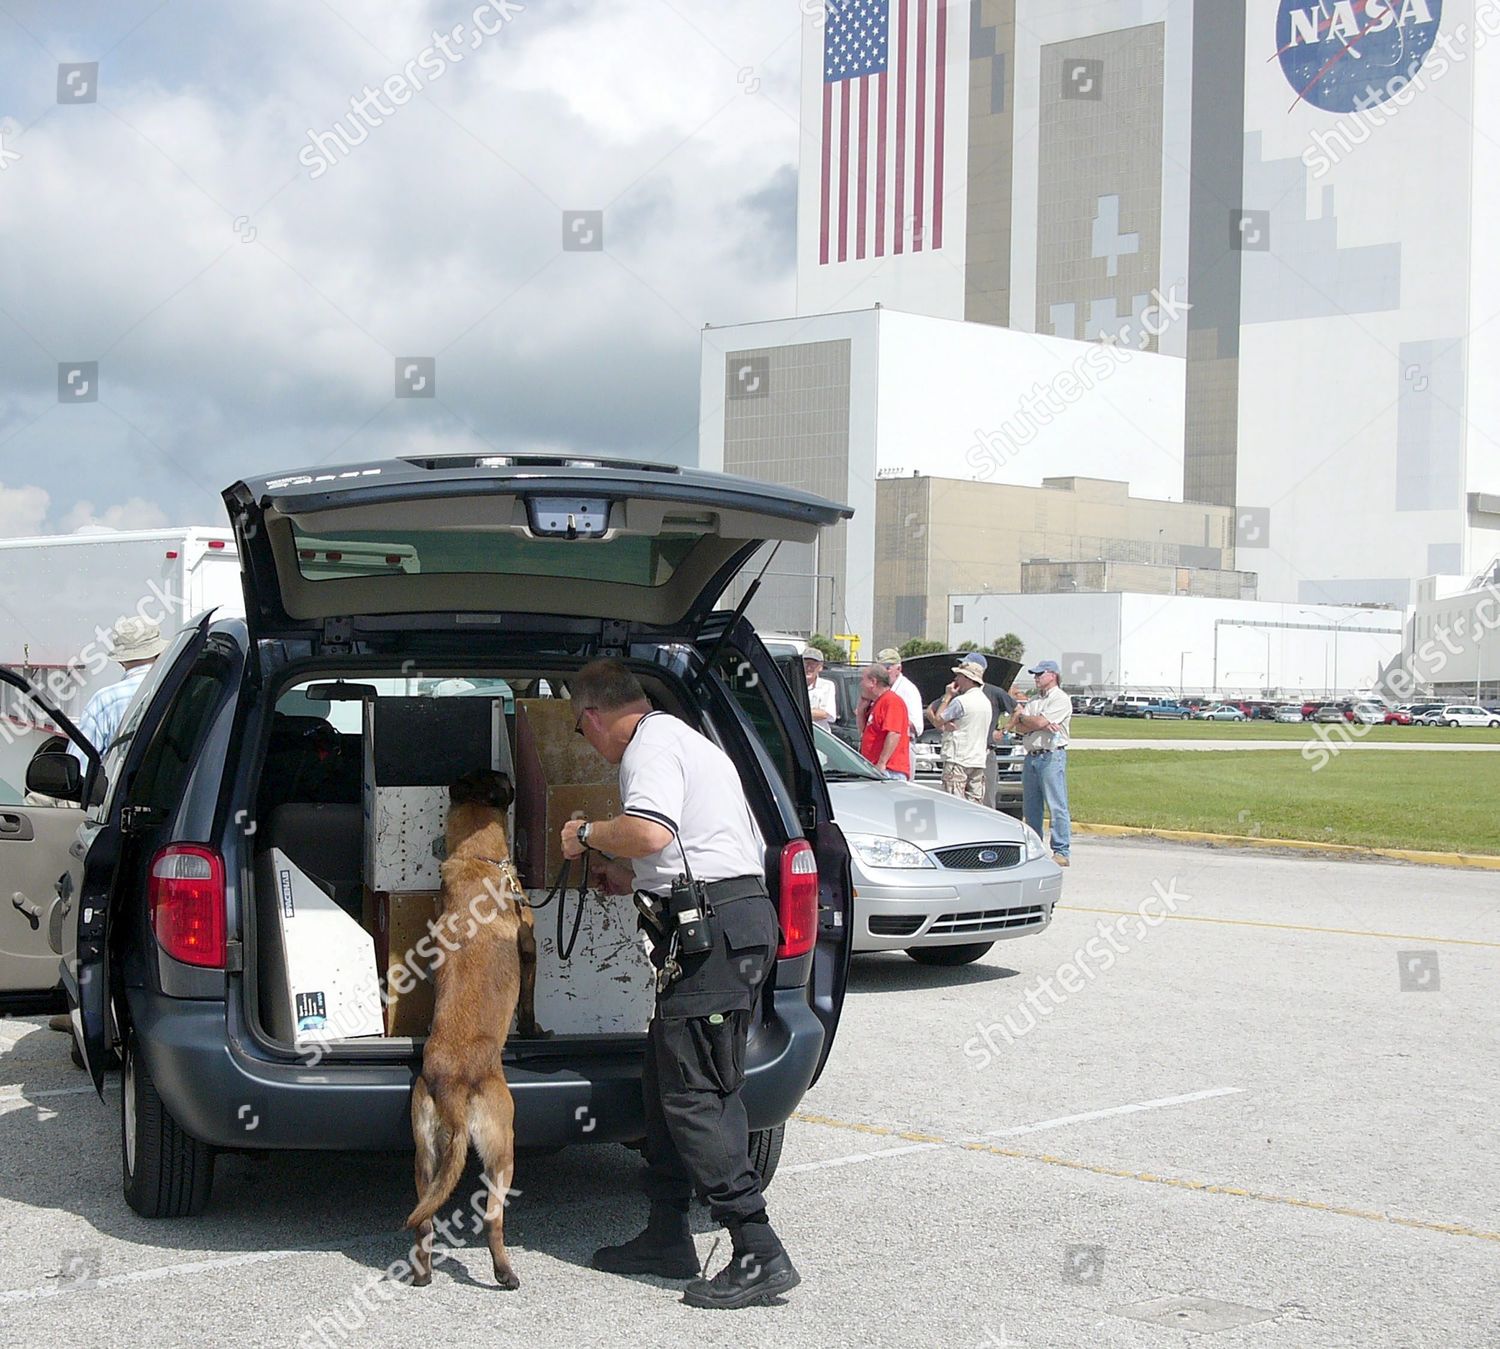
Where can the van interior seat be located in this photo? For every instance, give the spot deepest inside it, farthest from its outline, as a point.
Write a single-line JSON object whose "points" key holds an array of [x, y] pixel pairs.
{"points": [[308, 760], [327, 842]]}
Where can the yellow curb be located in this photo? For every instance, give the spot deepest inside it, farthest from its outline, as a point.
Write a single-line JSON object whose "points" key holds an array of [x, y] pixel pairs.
{"points": [[1473, 861]]}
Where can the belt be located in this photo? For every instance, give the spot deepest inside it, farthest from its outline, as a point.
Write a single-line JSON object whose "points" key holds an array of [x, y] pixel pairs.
{"points": [[719, 892], [1033, 753], [735, 887]]}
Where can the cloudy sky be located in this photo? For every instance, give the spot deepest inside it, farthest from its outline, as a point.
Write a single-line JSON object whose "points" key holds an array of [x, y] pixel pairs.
{"points": [[247, 260]]}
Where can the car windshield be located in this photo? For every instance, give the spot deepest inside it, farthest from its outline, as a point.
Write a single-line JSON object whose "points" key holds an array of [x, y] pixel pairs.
{"points": [[839, 762]]}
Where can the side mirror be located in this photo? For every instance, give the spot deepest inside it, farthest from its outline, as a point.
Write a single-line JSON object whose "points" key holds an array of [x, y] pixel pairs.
{"points": [[55, 774]]}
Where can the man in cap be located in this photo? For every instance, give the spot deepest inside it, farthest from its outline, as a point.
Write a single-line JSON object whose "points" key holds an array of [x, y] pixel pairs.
{"points": [[1044, 722], [902, 686], [884, 728], [821, 696], [135, 643], [964, 714]]}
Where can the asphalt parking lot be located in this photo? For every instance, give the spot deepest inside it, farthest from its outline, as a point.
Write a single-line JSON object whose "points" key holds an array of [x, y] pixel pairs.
{"points": [[1232, 1127]]}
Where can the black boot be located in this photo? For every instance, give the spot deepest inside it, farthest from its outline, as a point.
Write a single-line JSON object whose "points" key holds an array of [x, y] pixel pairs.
{"points": [[758, 1270], [665, 1248]]}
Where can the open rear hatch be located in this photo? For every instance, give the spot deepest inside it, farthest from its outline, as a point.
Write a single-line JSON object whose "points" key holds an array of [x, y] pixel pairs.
{"points": [[653, 545]]}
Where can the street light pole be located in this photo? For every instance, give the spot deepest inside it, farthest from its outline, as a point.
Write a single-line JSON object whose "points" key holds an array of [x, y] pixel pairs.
{"points": [[1181, 662]]}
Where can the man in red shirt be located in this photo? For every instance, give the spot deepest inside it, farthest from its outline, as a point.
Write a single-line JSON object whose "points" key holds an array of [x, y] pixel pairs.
{"points": [[884, 724]]}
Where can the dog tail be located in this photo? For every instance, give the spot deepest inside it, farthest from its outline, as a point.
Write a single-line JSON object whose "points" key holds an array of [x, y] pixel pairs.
{"points": [[452, 1138]]}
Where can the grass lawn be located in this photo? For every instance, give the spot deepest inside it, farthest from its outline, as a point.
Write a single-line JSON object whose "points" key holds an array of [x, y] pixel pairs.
{"points": [[1137, 728], [1435, 802]]}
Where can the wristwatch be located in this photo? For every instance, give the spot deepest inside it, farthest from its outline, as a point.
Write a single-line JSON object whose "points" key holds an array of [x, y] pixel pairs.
{"points": [[583, 834]]}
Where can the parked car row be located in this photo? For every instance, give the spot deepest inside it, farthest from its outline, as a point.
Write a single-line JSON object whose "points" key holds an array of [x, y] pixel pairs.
{"points": [[1350, 711]]}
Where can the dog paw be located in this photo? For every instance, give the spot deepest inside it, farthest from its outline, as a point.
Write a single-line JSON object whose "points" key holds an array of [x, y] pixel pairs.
{"points": [[506, 1278], [420, 1280], [532, 1032]]}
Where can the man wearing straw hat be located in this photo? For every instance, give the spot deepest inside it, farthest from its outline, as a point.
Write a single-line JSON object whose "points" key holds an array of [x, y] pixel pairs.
{"points": [[963, 714]]}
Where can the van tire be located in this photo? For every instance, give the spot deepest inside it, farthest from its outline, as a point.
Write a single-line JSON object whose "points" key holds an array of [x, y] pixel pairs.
{"points": [[765, 1152], [167, 1172], [949, 955]]}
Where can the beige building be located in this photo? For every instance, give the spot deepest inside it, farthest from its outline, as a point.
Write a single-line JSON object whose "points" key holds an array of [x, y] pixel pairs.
{"points": [[936, 537]]}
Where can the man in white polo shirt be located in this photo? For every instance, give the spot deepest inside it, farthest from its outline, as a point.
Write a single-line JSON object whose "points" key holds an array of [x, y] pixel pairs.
{"points": [[822, 698], [685, 822], [900, 684], [964, 714], [1045, 721]]}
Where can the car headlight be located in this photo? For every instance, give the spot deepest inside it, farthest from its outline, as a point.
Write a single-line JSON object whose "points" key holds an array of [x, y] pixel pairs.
{"points": [[878, 850], [1035, 848]]}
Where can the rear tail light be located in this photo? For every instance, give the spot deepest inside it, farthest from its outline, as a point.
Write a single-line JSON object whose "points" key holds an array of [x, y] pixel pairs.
{"points": [[799, 899], [186, 893]]}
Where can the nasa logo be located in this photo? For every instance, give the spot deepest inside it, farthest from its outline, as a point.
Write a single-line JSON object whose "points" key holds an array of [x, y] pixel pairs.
{"points": [[1341, 55]]}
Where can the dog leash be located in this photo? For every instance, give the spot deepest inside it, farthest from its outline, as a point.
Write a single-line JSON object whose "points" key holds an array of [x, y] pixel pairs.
{"points": [[559, 892]]}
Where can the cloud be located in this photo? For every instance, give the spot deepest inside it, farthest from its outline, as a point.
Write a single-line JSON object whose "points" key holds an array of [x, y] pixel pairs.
{"points": [[23, 511], [132, 514], [247, 318]]}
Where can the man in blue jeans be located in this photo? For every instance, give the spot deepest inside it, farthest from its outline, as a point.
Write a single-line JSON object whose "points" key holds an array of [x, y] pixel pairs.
{"points": [[1044, 722]]}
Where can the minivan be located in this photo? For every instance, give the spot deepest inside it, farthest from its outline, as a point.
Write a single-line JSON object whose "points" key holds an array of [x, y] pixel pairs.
{"points": [[439, 578]]}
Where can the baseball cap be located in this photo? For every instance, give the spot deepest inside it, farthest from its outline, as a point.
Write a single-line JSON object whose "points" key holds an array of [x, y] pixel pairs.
{"points": [[971, 669], [1045, 667], [812, 653], [888, 656]]}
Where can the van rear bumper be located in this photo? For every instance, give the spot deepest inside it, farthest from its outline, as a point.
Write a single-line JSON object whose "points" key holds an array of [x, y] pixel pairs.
{"points": [[225, 1092]]}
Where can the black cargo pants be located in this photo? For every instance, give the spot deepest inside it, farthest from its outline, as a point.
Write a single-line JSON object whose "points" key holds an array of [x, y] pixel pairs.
{"points": [[697, 1131]]}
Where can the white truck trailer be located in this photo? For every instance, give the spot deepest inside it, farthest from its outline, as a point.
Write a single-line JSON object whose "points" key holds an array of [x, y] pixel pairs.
{"points": [[59, 597]]}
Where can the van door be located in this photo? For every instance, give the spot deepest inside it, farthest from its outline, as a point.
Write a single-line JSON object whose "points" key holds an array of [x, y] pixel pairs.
{"points": [[35, 837], [783, 726], [95, 1020]]}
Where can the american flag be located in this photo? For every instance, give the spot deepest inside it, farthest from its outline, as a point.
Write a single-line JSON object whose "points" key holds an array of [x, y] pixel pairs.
{"points": [[882, 183]]}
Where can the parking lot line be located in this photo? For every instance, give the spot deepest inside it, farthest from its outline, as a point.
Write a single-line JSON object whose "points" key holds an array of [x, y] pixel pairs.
{"points": [[854, 1158], [1292, 927], [155, 1273], [1133, 1108], [1143, 1177]]}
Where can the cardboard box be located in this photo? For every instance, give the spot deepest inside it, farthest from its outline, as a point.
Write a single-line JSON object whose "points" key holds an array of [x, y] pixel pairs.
{"points": [[318, 980], [397, 923], [558, 775], [415, 749]]}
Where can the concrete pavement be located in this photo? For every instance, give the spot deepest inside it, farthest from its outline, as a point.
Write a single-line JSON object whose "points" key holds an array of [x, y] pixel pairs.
{"points": [[1237, 1110]]}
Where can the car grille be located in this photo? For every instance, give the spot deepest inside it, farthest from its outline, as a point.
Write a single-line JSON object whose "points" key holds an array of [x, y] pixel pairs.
{"points": [[988, 920], [894, 925], [980, 856]]}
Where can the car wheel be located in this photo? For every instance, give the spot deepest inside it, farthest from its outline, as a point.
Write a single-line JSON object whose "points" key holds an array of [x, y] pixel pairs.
{"points": [[168, 1173], [949, 955], [1146, 716], [765, 1152], [1450, 722]]}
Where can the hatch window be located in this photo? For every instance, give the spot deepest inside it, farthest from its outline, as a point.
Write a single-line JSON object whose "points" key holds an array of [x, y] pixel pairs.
{"points": [[628, 559]]}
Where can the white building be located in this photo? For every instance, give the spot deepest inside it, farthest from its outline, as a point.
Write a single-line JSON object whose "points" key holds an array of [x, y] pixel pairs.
{"points": [[1178, 644], [1451, 641], [831, 402]]}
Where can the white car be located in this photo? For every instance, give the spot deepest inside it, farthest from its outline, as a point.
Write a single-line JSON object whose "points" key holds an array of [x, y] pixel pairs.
{"points": [[934, 875], [1369, 714], [1464, 714], [1291, 714]]}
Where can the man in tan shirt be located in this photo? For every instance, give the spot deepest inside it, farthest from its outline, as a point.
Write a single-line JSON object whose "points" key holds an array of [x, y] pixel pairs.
{"points": [[1044, 721]]}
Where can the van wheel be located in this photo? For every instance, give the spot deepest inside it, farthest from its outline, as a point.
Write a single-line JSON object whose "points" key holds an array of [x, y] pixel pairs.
{"points": [[765, 1152], [168, 1173], [949, 955]]}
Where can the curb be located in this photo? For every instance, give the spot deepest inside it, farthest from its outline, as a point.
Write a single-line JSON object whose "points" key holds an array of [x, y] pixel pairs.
{"points": [[1468, 861]]}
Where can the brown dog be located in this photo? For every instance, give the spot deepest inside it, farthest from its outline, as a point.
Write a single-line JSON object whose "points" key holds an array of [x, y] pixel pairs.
{"points": [[490, 967]]}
